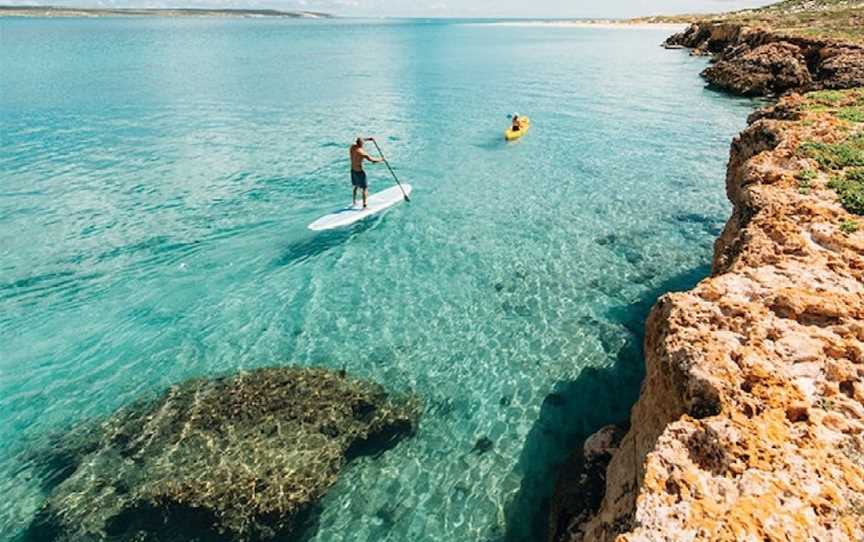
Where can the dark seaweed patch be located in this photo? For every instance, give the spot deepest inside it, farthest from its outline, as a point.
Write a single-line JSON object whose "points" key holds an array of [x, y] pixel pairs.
{"points": [[482, 446], [245, 457]]}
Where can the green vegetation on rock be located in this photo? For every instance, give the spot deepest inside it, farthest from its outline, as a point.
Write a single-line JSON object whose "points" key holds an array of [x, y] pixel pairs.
{"points": [[804, 179], [822, 19], [838, 19], [843, 160], [832, 156], [849, 226], [834, 98], [852, 114], [806, 176], [847, 105], [849, 185]]}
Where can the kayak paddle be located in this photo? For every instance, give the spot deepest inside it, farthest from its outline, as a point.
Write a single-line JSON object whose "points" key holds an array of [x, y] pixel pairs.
{"points": [[372, 139]]}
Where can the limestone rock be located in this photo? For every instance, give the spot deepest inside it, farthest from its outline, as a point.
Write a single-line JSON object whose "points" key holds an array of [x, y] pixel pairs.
{"points": [[750, 423], [244, 458], [603, 442], [765, 70], [581, 485], [841, 67], [759, 62]]}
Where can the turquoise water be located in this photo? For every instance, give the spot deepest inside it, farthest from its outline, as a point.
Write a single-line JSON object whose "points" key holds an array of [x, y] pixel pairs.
{"points": [[157, 177]]}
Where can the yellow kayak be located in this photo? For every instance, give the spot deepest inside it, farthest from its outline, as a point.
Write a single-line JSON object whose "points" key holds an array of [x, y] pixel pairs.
{"points": [[524, 123]]}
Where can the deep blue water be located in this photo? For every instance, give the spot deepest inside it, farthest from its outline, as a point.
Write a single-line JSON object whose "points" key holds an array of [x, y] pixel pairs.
{"points": [[157, 177]]}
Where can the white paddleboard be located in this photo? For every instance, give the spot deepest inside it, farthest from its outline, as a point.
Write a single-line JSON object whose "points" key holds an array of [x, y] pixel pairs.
{"points": [[349, 215]]}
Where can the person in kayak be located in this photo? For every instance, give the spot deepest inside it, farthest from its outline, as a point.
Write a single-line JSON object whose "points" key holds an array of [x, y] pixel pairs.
{"points": [[517, 123], [358, 176]]}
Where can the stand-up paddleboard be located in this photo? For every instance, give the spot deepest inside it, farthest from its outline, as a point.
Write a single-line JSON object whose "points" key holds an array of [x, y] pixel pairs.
{"points": [[349, 215]]}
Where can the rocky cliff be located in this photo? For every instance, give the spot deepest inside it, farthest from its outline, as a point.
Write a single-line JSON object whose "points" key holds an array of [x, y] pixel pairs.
{"points": [[750, 423], [759, 62]]}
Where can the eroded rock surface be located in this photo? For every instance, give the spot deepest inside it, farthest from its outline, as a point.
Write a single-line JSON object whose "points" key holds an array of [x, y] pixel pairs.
{"points": [[759, 62], [241, 458], [750, 424]]}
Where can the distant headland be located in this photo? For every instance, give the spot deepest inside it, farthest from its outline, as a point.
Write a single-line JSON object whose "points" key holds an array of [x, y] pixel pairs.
{"points": [[58, 11]]}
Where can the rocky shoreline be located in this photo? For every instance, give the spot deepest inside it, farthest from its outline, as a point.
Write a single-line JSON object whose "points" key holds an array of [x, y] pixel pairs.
{"points": [[750, 422], [759, 62]]}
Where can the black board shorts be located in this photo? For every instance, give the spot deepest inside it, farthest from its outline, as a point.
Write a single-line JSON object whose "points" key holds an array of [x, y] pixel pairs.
{"points": [[358, 179]]}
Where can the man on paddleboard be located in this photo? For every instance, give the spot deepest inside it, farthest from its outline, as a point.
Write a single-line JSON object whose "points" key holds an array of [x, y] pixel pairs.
{"points": [[358, 176]]}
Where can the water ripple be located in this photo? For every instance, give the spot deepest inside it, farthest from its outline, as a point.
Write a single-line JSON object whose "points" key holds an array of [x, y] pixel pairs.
{"points": [[154, 229]]}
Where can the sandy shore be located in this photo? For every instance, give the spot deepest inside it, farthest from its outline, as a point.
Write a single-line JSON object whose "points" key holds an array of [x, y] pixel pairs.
{"points": [[54, 11], [590, 24]]}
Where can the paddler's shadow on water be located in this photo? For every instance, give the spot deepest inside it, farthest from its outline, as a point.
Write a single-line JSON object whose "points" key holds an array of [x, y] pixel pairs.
{"points": [[493, 144], [316, 243]]}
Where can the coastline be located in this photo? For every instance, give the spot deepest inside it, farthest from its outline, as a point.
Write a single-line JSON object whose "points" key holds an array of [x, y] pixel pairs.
{"points": [[605, 24], [755, 375], [750, 419], [762, 62], [63, 12]]}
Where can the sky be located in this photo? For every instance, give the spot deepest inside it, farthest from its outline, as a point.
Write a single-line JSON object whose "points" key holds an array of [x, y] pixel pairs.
{"points": [[442, 8]]}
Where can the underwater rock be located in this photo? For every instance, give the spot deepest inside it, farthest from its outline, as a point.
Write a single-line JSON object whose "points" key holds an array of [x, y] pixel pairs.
{"points": [[603, 442], [243, 457], [581, 484], [555, 400], [482, 446], [609, 239]]}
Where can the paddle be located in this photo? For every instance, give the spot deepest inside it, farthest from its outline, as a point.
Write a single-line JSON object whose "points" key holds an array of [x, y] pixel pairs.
{"points": [[372, 139]]}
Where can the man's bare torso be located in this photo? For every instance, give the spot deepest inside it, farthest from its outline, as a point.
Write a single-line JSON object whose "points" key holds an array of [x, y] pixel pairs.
{"points": [[357, 156]]}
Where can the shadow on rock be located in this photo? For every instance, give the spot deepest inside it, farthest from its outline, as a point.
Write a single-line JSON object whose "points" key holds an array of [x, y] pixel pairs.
{"points": [[575, 410]]}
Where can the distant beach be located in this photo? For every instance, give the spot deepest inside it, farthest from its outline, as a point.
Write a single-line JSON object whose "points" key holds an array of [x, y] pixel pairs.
{"points": [[54, 11], [590, 24]]}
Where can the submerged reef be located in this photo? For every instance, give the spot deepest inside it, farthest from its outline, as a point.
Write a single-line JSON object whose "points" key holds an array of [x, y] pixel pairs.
{"points": [[243, 458], [750, 422]]}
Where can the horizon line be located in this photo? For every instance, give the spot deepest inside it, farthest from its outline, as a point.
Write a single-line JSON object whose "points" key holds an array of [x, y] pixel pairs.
{"points": [[324, 14]]}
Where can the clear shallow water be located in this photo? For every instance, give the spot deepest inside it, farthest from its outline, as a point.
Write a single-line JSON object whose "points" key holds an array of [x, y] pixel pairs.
{"points": [[156, 178]]}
